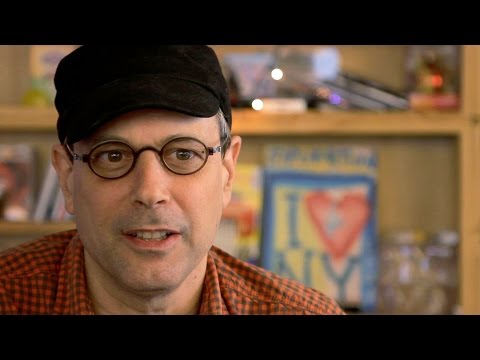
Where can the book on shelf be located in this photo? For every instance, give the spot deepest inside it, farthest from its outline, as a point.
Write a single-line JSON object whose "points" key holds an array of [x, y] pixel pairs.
{"points": [[17, 172], [46, 195], [420, 101], [364, 93], [50, 204], [239, 234], [319, 219]]}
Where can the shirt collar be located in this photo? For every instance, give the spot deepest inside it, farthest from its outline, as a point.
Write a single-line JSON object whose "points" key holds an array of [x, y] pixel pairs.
{"points": [[212, 300], [72, 295]]}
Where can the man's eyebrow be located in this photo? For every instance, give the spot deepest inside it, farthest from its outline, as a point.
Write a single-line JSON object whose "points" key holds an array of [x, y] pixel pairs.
{"points": [[92, 141], [96, 139]]}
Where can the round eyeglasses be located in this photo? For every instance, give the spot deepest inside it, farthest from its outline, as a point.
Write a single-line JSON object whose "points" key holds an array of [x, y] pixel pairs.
{"points": [[113, 159]]}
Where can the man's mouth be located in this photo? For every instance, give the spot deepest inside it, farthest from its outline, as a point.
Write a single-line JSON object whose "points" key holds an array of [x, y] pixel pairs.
{"points": [[150, 235]]}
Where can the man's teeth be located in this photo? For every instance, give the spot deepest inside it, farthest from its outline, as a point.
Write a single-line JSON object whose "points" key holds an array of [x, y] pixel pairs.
{"points": [[151, 235]]}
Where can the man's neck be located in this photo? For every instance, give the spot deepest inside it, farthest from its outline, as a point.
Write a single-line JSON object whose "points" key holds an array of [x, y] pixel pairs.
{"points": [[149, 307]]}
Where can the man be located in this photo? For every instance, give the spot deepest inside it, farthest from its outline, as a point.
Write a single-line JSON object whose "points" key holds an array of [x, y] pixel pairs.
{"points": [[146, 164]]}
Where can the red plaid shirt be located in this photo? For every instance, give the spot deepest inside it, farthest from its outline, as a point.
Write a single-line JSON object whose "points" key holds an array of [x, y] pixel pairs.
{"points": [[47, 276]]}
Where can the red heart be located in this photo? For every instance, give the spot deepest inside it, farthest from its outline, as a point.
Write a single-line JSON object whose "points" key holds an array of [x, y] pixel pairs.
{"points": [[351, 213]]}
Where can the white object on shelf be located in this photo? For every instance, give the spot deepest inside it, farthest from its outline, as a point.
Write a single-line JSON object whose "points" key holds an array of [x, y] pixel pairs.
{"points": [[284, 105]]}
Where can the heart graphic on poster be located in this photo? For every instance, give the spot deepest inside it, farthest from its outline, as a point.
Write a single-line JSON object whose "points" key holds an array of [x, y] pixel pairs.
{"points": [[338, 221]]}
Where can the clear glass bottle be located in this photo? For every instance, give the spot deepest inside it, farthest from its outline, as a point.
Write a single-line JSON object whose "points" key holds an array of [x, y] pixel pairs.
{"points": [[442, 260]]}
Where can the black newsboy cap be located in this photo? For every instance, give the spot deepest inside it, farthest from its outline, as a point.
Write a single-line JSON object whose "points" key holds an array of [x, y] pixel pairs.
{"points": [[96, 83]]}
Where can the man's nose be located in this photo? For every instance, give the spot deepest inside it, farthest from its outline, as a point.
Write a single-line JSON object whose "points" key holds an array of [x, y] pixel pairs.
{"points": [[151, 180]]}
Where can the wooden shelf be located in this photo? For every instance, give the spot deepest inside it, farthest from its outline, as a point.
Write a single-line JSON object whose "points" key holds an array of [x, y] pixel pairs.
{"points": [[27, 118], [32, 229], [252, 123]]}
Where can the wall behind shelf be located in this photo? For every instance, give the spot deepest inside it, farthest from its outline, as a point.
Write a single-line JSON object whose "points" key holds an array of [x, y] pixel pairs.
{"points": [[14, 73]]}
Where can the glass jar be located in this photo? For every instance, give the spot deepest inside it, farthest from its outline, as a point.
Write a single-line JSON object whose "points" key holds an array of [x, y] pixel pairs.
{"points": [[405, 282]]}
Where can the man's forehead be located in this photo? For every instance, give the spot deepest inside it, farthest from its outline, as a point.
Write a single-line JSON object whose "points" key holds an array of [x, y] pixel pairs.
{"points": [[154, 126]]}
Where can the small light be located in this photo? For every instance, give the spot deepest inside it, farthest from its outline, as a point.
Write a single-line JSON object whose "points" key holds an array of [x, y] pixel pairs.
{"points": [[277, 74], [437, 81], [335, 99], [257, 104]]}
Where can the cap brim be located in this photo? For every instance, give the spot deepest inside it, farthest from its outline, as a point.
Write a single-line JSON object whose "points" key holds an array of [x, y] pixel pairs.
{"points": [[133, 93]]}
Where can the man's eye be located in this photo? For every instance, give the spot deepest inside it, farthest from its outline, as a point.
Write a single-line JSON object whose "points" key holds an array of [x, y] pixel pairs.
{"points": [[114, 156], [110, 156], [184, 154]]}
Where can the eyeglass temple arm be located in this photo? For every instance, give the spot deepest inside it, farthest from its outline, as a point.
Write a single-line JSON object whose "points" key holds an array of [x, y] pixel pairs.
{"points": [[224, 146], [74, 156], [213, 150]]}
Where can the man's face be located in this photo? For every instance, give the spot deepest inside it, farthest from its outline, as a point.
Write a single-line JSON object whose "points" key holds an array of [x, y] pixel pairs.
{"points": [[115, 218]]}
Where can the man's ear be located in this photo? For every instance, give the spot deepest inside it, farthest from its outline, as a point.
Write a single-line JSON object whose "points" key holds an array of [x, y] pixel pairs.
{"points": [[63, 165], [229, 162]]}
